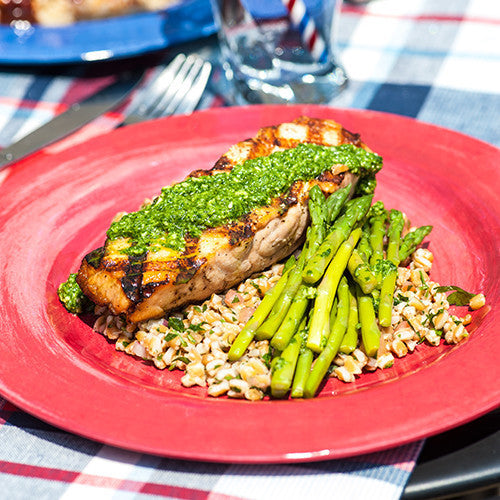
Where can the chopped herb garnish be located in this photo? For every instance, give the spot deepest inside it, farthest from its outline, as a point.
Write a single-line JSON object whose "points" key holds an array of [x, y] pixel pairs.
{"points": [[430, 316], [176, 324], [181, 358], [424, 285], [400, 298], [197, 327], [256, 286], [170, 336], [459, 297], [266, 358]]}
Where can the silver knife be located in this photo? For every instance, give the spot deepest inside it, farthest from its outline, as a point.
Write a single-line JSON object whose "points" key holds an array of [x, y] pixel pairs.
{"points": [[72, 119]]}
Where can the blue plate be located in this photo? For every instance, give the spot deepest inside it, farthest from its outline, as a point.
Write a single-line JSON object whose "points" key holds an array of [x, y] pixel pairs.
{"points": [[103, 39]]}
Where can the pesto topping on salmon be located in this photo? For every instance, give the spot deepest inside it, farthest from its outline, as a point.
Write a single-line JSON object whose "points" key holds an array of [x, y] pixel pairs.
{"points": [[189, 207]]}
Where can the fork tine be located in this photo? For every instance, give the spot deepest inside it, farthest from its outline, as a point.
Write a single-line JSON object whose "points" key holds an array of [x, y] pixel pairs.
{"points": [[154, 91], [192, 98], [185, 88], [174, 87]]}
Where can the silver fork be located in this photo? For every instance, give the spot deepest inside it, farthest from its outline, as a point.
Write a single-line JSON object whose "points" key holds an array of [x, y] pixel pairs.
{"points": [[175, 89]]}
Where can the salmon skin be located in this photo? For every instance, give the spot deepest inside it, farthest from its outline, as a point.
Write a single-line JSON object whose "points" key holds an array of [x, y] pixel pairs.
{"points": [[162, 279]]}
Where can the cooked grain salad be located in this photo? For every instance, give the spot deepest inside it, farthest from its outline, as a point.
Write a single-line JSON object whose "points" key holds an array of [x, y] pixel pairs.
{"points": [[197, 339]]}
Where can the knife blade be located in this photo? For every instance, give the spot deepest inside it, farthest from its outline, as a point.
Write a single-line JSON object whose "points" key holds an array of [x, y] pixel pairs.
{"points": [[75, 117]]}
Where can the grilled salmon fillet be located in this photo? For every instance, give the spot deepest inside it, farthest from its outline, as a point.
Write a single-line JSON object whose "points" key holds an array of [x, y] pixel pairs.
{"points": [[164, 279]]}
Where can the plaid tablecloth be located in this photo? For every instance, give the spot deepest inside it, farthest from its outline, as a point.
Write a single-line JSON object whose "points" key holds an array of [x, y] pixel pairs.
{"points": [[434, 60]]}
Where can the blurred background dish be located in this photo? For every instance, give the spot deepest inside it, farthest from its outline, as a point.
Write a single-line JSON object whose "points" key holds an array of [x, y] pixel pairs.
{"points": [[102, 39], [64, 12]]}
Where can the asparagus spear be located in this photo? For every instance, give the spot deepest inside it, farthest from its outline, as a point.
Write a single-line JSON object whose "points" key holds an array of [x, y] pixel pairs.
{"points": [[333, 312], [247, 334], [361, 272], [412, 240], [317, 230], [319, 328], [303, 366], [335, 338], [396, 224], [284, 369], [317, 205], [335, 202], [350, 340], [294, 316], [280, 307], [387, 298], [302, 371], [370, 334], [377, 217], [364, 248], [355, 210]]}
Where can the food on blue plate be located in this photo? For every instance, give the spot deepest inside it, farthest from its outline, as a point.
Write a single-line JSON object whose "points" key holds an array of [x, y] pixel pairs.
{"points": [[217, 227], [270, 272], [64, 12]]}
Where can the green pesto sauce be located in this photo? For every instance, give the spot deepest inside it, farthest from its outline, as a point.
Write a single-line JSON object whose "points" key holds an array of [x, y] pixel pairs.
{"points": [[384, 267], [197, 203], [71, 296]]}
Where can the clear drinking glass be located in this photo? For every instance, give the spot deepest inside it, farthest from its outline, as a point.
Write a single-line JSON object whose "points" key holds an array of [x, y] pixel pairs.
{"points": [[280, 51]]}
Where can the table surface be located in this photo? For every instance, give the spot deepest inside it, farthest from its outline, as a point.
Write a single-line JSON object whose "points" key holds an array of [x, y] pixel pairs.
{"points": [[433, 60]]}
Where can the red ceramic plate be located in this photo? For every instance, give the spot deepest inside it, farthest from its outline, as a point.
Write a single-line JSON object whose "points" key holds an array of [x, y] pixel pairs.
{"points": [[55, 208]]}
